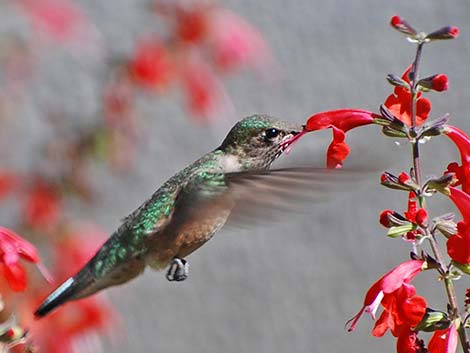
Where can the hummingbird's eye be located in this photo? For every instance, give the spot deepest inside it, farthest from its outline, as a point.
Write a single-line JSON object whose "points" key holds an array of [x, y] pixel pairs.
{"points": [[271, 133]]}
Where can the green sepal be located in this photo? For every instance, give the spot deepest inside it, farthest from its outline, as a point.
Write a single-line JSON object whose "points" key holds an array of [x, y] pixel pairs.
{"points": [[465, 268], [389, 131], [397, 231], [433, 320]]}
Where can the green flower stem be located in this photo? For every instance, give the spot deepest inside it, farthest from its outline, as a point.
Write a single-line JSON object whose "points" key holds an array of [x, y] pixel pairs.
{"points": [[443, 268]]}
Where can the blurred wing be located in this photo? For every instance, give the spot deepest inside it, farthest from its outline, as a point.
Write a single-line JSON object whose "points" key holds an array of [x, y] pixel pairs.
{"points": [[269, 194], [264, 195]]}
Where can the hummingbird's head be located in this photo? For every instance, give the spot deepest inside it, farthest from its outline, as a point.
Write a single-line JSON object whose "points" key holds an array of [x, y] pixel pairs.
{"points": [[259, 139]]}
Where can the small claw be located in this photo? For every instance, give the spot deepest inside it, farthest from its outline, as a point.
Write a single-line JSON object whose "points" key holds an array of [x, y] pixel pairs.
{"points": [[178, 270]]}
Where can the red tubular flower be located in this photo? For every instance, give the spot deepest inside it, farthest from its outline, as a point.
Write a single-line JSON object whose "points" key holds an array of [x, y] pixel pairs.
{"points": [[340, 121], [12, 248], [444, 341], [399, 104], [458, 245], [462, 172], [390, 289]]}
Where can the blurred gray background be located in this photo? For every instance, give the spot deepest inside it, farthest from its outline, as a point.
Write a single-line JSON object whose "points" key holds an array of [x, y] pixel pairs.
{"points": [[289, 286]]}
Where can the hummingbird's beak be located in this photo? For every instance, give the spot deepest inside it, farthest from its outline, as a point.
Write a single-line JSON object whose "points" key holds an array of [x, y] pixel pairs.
{"points": [[289, 141]]}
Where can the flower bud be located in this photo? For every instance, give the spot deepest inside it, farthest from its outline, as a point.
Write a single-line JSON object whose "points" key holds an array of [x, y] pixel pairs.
{"points": [[402, 26], [438, 83], [389, 218], [444, 33], [384, 219], [421, 217], [403, 178]]}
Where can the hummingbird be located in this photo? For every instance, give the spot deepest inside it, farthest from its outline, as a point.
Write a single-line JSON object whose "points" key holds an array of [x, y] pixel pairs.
{"points": [[234, 180]]}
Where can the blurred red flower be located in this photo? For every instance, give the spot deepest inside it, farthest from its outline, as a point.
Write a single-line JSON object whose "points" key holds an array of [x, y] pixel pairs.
{"points": [[59, 18], [399, 104], [193, 24], [203, 90], [12, 248], [235, 43], [340, 121], [80, 320], [43, 205], [151, 65], [7, 183]]}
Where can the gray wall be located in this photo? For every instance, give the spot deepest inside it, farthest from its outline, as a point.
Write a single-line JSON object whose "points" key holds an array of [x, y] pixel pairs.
{"points": [[290, 286]]}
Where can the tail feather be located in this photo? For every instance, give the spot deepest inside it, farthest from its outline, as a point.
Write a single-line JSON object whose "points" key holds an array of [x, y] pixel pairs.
{"points": [[72, 288]]}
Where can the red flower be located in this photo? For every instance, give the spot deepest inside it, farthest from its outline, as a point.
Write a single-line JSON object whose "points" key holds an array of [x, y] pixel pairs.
{"points": [[408, 342], [403, 309], [444, 341], [151, 65], [388, 289], [340, 121], [42, 208], [462, 141], [458, 245], [399, 104], [12, 248], [440, 83]]}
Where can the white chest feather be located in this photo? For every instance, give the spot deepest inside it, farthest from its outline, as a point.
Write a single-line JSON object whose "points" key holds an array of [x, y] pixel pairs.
{"points": [[230, 164]]}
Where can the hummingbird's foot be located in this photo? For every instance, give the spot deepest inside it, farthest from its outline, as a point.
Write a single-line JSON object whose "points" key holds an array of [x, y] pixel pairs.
{"points": [[178, 270]]}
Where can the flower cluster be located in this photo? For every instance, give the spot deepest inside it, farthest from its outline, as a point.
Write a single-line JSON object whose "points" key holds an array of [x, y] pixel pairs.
{"points": [[405, 114]]}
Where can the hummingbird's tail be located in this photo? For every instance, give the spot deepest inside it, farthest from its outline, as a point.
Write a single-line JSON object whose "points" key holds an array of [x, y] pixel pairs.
{"points": [[75, 287]]}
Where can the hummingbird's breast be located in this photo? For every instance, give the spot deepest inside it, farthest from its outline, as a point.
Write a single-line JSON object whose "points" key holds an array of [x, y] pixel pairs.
{"points": [[196, 219], [183, 236]]}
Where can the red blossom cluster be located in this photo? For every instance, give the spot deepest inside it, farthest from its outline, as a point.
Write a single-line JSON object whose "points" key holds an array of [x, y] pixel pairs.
{"points": [[205, 42]]}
